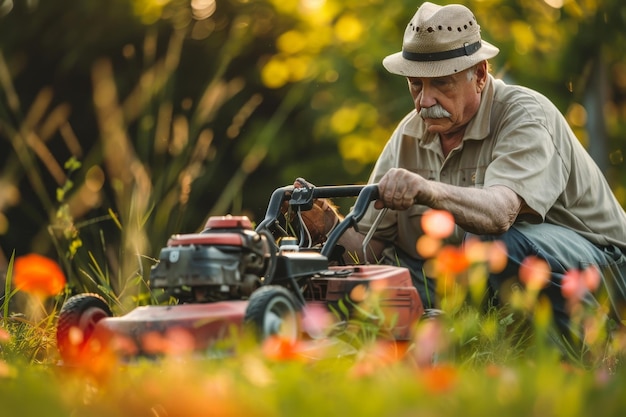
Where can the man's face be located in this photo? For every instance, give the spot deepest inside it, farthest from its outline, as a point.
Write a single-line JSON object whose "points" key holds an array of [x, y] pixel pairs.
{"points": [[447, 103]]}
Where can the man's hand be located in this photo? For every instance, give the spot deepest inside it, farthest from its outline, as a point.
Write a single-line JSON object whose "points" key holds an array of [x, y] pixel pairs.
{"points": [[399, 189], [490, 210], [321, 219]]}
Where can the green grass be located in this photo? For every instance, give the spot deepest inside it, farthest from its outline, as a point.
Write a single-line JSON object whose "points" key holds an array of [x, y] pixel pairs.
{"points": [[470, 363], [365, 385]]}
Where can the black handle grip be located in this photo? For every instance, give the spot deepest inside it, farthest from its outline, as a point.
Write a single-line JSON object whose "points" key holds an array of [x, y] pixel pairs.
{"points": [[300, 196], [365, 195], [368, 194]]}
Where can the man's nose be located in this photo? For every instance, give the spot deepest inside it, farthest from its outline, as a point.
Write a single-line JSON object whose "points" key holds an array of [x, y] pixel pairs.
{"points": [[426, 97]]}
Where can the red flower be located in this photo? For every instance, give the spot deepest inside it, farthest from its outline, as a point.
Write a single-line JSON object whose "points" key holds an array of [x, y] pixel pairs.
{"points": [[38, 275], [451, 260], [440, 379], [282, 349]]}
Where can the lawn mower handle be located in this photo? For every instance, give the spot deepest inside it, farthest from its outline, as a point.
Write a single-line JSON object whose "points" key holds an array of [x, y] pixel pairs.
{"points": [[305, 196]]}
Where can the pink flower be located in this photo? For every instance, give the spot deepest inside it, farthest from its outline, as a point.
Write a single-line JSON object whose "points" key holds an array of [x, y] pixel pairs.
{"points": [[5, 336], [577, 283]]}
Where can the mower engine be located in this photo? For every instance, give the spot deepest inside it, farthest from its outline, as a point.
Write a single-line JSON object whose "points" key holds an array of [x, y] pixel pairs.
{"points": [[225, 261]]}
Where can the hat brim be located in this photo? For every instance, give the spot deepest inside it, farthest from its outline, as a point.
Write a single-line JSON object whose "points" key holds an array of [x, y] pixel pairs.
{"points": [[397, 64]]}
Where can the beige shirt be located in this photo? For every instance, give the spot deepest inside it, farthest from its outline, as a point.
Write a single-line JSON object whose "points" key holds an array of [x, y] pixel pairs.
{"points": [[520, 140]]}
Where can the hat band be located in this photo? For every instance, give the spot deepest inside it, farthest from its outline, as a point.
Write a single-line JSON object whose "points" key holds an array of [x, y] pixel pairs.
{"points": [[467, 49]]}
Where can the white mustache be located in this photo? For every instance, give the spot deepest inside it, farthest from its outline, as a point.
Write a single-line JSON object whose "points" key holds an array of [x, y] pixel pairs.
{"points": [[434, 112]]}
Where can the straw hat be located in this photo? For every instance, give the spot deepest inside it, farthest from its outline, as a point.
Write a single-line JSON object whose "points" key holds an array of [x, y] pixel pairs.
{"points": [[439, 41]]}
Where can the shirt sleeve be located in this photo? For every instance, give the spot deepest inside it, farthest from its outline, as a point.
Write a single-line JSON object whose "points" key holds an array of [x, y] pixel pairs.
{"points": [[526, 158]]}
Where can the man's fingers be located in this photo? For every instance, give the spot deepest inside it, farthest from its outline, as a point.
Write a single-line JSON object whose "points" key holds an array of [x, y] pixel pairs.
{"points": [[301, 182]]}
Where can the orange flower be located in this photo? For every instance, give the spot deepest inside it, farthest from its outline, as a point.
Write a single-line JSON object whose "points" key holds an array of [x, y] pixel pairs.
{"points": [[38, 275], [534, 273], [378, 356], [428, 246], [451, 260], [154, 343], [497, 256], [282, 349], [6, 370], [438, 224], [439, 379]]}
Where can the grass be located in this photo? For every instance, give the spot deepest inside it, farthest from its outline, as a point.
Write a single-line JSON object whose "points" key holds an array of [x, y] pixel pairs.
{"points": [[469, 362], [370, 383]]}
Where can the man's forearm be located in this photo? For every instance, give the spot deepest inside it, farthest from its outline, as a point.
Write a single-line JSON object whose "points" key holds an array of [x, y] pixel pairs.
{"points": [[482, 211]]}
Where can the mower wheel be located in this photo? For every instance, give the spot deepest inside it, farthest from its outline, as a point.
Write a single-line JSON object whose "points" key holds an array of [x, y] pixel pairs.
{"points": [[77, 320], [273, 311]]}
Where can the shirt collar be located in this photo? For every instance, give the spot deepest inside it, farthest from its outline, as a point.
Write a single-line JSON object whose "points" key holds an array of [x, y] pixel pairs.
{"points": [[478, 127]]}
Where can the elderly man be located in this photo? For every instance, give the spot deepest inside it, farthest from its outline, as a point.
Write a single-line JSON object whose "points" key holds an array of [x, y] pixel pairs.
{"points": [[500, 158]]}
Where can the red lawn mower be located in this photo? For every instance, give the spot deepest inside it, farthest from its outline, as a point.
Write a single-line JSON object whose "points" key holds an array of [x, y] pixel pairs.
{"points": [[233, 276]]}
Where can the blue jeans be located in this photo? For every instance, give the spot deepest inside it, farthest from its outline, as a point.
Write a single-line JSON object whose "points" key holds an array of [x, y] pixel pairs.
{"points": [[562, 248]]}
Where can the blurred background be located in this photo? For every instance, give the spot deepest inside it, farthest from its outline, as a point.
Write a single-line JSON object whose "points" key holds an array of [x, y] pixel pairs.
{"points": [[124, 121]]}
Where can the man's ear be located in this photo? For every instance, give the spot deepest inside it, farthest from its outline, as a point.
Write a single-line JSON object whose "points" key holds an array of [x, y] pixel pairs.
{"points": [[482, 69]]}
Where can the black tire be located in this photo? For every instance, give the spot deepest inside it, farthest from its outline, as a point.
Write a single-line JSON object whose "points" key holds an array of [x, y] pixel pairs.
{"points": [[273, 310], [82, 311]]}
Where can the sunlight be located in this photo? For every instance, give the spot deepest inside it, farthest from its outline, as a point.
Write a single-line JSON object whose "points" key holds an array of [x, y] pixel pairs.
{"points": [[275, 73], [291, 42], [358, 148], [149, 10], [312, 5], [348, 29], [203, 9], [576, 115], [344, 120], [5, 7], [556, 4]]}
